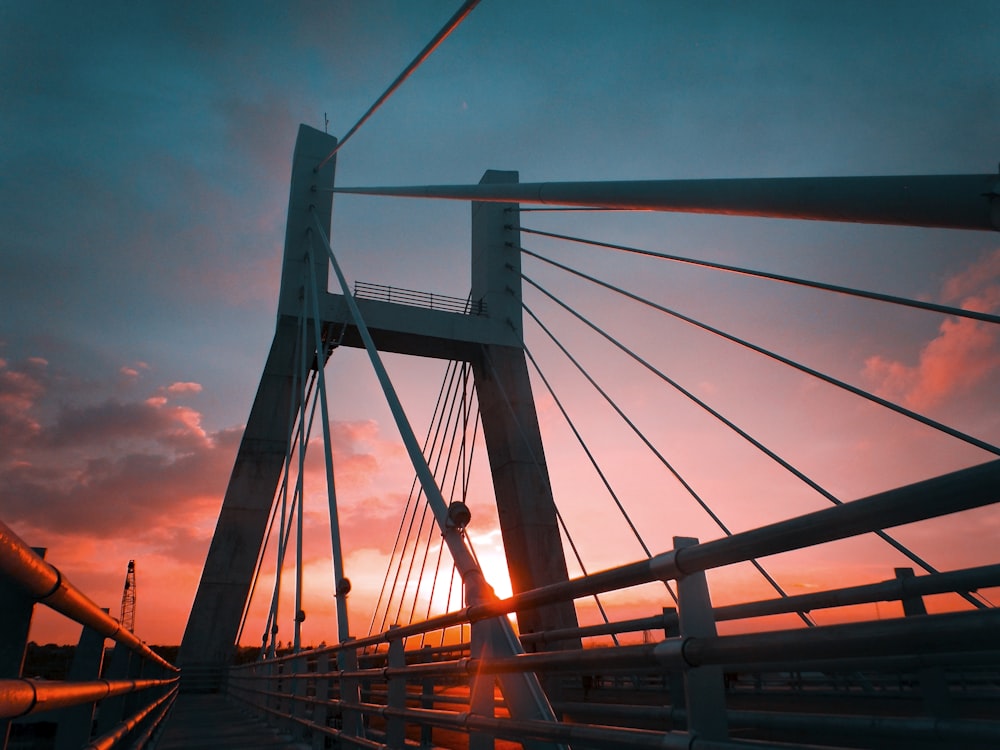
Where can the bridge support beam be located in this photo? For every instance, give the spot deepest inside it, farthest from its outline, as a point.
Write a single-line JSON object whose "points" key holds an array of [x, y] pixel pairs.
{"points": [[521, 483], [214, 622]]}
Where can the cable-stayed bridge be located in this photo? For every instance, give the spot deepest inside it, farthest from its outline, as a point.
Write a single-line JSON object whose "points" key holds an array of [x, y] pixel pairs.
{"points": [[638, 653]]}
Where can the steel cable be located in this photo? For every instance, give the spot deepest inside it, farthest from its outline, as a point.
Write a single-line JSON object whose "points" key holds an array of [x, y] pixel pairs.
{"points": [[878, 296], [453, 22], [898, 546], [784, 360], [684, 483]]}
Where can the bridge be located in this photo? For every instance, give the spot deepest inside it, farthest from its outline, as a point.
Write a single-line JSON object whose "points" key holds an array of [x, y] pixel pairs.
{"points": [[634, 654]]}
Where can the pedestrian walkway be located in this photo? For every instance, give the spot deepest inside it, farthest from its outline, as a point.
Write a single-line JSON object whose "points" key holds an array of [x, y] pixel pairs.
{"points": [[210, 722]]}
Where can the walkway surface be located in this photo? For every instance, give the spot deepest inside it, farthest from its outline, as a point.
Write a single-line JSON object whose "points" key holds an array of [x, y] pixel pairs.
{"points": [[210, 722]]}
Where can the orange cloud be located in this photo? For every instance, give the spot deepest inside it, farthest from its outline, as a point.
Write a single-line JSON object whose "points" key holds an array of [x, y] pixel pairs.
{"points": [[963, 354]]}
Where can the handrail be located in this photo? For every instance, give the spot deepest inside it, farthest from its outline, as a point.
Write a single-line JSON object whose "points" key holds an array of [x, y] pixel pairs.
{"points": [[925, 636], [161, 705], [299, 687], [961, 490], [46, 584], [20, 697], [415, 298], [893, 589]]}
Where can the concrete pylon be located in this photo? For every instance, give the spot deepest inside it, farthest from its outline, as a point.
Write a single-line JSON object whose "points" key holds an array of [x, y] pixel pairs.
{"points": [[491, 343], [212, 627], [521, 483]]}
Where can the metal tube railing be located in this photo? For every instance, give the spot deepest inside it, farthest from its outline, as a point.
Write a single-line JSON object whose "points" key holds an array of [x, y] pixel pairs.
{"points": [[30, 579], [895, 589], [926, 635], [961, 490], [20, 697], [956, 731], [911, 645], [951, 493], [158, 707], [44, 583], [415, 298]]}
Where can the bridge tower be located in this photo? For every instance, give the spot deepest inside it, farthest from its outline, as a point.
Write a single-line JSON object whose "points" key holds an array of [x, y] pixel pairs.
{"points": [[491, 342]]}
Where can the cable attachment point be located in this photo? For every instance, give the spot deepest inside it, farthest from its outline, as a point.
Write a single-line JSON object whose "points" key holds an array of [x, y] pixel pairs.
{"points": [[343, 587], [459, 515]]}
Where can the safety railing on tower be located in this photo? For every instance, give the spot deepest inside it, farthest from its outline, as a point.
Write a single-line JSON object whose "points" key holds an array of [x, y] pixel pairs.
{"points": [[922, 680], [130, 696], [416, 298]]}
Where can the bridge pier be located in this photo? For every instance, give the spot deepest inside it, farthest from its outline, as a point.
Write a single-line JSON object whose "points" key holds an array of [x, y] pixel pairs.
{"points": [[525, 505]]}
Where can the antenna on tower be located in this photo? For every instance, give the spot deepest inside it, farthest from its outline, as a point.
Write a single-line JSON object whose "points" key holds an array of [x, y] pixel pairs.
{"points": [[127, 618]]}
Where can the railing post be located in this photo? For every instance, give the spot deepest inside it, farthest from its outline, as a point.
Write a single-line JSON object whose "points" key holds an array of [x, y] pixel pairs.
{"points": [[278, 685], [15, 622], [395, 731], [112, 709], [266, 684], [933, 683], [427, 701], [297, 691], [704, 687], [256, 682], [321, 710], [482, 691], [349, 690], [75, 723], [674, 679], [138, 669]]}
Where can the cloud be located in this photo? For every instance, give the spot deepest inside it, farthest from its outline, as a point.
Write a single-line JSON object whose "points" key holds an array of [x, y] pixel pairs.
{"points": [[112, 422], [147, 471], [134, 370], [964, 353], [184, 388], [20, 389]]}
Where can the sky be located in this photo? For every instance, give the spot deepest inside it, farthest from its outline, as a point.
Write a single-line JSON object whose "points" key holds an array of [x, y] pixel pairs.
{"points": [[145, 151]]}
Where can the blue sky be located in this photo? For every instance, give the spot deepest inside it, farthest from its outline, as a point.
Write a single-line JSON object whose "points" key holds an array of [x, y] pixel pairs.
{"points": [[145, 152]]}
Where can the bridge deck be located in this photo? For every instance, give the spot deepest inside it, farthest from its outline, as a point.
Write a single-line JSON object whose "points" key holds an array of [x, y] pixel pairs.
{"points": [[211, 722]]}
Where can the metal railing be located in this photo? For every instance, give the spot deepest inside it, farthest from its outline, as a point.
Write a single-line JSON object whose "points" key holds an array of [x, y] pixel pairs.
{"points": [[920, 680], [135, 672], [414, 298]]}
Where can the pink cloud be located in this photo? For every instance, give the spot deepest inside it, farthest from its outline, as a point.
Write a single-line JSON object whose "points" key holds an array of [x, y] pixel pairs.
{"points": [[124, 477], [978, 278], [963, 354], [185, 387]]}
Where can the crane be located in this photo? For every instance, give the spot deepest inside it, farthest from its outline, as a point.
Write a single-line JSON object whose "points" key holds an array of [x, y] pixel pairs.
{"points": [[127, 618]]}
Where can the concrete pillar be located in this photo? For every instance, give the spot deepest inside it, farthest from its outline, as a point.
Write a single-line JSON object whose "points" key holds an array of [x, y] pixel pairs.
{"points": [[510, 423], [210, 635]]}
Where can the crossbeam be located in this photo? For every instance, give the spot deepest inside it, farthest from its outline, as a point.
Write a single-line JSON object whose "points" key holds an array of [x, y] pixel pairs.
{"points": [[968, 201]]}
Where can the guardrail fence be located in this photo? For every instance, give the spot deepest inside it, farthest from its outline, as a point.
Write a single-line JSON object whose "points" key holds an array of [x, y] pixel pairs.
{"points": [[922, 680], [98, 705]]}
